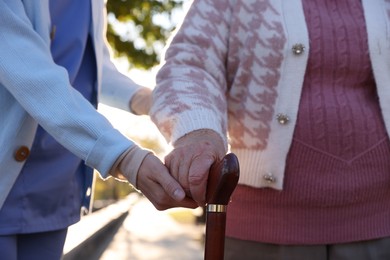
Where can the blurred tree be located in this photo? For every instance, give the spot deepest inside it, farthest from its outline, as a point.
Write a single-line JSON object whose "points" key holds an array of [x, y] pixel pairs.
{"points": [[138, 29]]}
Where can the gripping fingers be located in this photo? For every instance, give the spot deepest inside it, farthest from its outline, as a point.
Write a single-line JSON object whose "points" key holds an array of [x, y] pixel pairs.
{"points": [[171, 187], [164, 193], [198, 176], [178, 166]]}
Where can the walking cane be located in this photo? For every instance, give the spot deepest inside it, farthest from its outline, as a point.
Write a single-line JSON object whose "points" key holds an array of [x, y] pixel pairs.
{"points": [[222, 181]]}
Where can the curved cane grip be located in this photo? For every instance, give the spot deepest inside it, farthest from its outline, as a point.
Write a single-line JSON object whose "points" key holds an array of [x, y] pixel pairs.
{"points": [[223, 179]]}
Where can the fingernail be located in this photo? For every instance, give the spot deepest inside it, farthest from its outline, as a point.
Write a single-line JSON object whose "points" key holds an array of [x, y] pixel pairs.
{"points": [[179, 194]]}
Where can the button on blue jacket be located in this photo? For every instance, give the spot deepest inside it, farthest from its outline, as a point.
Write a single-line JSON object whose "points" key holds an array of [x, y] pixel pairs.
{"points": [[34, 90]]}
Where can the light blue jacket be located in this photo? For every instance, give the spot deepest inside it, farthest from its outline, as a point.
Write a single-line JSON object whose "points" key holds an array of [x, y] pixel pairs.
{"points": [[34, 90]]}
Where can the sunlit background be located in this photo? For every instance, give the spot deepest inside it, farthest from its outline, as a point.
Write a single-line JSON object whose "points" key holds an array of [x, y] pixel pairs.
{"points": [[145, 233], [135, 62]]}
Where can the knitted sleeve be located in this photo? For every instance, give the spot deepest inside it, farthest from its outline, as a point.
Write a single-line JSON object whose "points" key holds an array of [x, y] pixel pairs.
{"points": [[191, 85], [34, 83]]}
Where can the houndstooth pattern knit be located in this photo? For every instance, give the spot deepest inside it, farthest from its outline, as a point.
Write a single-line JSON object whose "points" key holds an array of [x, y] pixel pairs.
{"points": [[230, 68]]}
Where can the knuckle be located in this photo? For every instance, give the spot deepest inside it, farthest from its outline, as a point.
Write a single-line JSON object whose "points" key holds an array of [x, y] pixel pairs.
{"points": [[196, 179]]}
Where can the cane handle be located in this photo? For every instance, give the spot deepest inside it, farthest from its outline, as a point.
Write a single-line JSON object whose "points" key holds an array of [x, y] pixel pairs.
{"points": [[223, 179]]}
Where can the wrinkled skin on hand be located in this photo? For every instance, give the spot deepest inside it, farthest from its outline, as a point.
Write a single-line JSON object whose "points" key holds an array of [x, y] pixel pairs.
{"points": [[155, 182], [191, 159]]}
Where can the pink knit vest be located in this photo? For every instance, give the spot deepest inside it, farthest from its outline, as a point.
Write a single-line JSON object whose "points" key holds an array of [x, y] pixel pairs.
{"points": [[337, 184]]}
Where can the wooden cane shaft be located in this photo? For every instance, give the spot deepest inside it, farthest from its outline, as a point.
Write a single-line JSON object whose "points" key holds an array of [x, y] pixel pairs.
{"points": [[215, 235]]}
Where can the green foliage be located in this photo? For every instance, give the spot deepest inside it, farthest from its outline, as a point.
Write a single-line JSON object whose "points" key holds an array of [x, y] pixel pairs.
{"points": [[138, 29], [110, 189]]}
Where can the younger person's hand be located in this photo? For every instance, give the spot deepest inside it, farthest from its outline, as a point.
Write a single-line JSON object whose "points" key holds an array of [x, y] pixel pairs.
{"points": [[152, 179], [160, 187]]}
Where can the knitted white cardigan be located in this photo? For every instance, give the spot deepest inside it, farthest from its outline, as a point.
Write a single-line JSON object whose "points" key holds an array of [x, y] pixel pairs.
{"points": [[238, 66]]}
